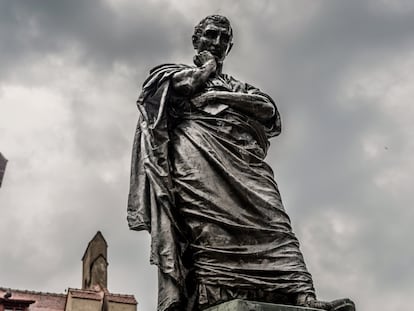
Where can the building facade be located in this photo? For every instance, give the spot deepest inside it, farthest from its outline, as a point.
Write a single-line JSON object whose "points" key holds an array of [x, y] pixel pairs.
{"points": [[93, 296]]}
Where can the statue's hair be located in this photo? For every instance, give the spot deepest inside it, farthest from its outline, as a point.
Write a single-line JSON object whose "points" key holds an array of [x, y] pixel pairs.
{"points": [[217, 19]]}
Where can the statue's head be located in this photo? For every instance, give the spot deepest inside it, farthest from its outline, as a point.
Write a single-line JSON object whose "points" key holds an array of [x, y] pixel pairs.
{"points": [[214, 34]]}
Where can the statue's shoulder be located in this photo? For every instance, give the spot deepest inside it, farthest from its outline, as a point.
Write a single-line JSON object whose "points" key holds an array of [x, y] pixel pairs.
{"points": [[160, 74], [164, 71], [168, 67]]}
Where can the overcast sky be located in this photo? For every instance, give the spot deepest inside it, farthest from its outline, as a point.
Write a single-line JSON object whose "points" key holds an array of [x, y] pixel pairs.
{"points": [[341, 72]]}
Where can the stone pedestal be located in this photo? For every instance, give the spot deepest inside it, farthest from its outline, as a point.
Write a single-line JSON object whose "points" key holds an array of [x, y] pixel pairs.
{"points": [[245, 305]]}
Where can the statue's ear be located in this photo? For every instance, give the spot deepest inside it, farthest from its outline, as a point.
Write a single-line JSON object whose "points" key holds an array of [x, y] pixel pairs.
{"points": [[229, 48]]}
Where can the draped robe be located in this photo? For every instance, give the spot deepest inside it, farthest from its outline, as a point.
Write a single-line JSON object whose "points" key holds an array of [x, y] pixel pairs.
{"points": [[200, 185]]}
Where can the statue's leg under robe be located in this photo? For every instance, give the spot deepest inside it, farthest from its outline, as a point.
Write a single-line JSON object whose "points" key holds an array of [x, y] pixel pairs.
{"points": [[242, 244]]}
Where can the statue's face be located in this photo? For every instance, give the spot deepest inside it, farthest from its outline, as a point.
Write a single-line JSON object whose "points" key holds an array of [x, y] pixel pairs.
{"points": [[215, 39]]}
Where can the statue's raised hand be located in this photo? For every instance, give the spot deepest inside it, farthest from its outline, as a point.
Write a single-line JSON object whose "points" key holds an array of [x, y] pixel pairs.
{"points": [[205, 58], [189, 80]]}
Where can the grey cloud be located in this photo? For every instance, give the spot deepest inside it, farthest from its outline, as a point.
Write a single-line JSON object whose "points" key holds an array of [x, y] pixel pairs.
{"points": [[325, 169], [31, 30], [302, 53]]}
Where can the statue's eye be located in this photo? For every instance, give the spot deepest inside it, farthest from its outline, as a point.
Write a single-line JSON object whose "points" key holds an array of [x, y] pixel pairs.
{"points": [[225, 37], [211, 34]]}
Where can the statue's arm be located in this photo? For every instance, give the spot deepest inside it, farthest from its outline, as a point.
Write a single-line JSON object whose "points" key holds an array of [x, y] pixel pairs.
{"points": [[187, 81], [257, 106]]}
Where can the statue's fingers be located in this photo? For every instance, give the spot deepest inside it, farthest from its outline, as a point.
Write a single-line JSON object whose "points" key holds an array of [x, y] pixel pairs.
{"points": [[197, 61]]}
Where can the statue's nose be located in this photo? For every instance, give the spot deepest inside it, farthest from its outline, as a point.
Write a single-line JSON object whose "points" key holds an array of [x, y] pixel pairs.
{"points": [[216, 40]]}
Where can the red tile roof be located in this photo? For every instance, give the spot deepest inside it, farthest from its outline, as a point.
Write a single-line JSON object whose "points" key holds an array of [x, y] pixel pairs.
{"points": [[56, 302], [44, 301], [85, 294], [128, 299], [98, 295]]}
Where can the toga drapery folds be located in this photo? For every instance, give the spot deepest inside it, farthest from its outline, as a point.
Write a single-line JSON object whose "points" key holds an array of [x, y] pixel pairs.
{"points": [[200, 186]]}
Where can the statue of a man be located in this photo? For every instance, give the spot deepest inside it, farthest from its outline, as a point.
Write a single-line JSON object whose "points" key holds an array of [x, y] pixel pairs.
{"points": [[200, 186]]}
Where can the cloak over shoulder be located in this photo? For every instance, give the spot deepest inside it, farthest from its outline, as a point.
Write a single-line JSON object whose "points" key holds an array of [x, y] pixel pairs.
{"points": [[151, 199]]}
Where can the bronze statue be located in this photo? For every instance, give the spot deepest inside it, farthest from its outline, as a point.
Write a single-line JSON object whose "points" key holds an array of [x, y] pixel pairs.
{"points": [[200, 186]]}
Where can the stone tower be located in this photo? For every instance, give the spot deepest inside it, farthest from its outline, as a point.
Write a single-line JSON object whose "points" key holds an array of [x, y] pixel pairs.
{"points": [[95, 264], [94, 295]]}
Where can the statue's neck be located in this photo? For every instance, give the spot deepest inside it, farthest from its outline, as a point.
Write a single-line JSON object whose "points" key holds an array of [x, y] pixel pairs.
{"points": [[219, 69]]}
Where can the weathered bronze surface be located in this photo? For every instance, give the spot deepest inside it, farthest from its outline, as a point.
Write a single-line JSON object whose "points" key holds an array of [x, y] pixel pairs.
{"points": [[201, 187], [245, 305]]}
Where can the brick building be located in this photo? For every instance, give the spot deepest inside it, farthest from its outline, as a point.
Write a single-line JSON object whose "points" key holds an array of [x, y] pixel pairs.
{"points": [[93, 296]]}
